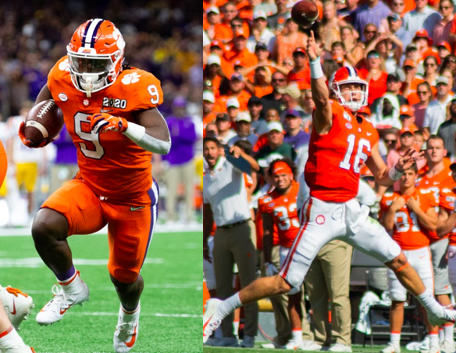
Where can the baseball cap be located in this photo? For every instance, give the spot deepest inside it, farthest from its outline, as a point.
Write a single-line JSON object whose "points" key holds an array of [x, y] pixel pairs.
{"points": [[292, 112], [275, 125], [238, 63], [261, 45], [237, 76], [406, 111], [216, 43], [254, 100], [299, 50], [214, 60], [213, 9], [407, 129], [232, 102], [444, 44], [394, 16], [373, 54], [292, 90], [422, 33], [208, 96], [244, 116], [441, 79], [409, 62], [393, 77], [222, 117], [259, 14], [410, 47], [240, 33]]}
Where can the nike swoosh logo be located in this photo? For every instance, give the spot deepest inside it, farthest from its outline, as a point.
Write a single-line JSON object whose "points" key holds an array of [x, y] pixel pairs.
{"points": [[132, 208], [207, 323], [64, 310], [132, 341], [14, 308]]}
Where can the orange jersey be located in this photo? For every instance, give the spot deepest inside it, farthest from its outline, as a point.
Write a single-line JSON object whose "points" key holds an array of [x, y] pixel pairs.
{"points": [[333, 168], [446, 201], [284, 213], [3, 164], [436, 184], [302, 78], [407, 232], [110, 163]]}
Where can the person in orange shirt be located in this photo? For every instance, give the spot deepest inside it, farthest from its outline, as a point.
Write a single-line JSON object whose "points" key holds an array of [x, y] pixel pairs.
{"points": [[239, 51], [110, 111], [223, 31], [212, 19], [3, 163], [411, 82], [237, 90], [245, 9], [410, 215], [300, 73], [424, 44], [407, 116], [278, 208]]}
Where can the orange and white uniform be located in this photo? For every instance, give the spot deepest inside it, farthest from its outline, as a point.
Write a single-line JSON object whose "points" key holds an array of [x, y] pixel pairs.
{"points": [[114, 184], [413, 239], [331, 212]]}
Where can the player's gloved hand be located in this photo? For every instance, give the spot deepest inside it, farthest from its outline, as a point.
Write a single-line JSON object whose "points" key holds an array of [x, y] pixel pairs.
{"points": [[103, 122], [270, 269], [30, 143]]}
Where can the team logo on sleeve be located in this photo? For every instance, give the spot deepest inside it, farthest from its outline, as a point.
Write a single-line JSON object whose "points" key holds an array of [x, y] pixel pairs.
{"points": [[130, 78], [320, 219]]}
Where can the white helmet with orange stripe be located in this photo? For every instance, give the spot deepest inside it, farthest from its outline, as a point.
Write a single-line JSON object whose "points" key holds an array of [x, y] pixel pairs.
{"points": [[351, 98]]}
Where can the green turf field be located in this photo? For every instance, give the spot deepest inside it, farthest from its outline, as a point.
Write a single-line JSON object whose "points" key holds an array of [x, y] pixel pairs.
{"points": [[171, 312], [356, 349]]}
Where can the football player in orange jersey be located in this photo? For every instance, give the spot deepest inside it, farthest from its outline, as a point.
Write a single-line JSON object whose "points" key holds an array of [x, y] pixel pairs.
{"points": [[278, 208], [340, 143], [3, 164], [110, 111], [411, 216]]}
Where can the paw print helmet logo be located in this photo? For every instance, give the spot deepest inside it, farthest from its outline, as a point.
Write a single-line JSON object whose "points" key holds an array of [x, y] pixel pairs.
{"points": [[95, 55], [130, 78]]}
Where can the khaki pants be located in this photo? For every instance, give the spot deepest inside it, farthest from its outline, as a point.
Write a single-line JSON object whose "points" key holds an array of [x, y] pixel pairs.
{"points": [[175, 175], [280, 308], [231, 246], [328, 278]]}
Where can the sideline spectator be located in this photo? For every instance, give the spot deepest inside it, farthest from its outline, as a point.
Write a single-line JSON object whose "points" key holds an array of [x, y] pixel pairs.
{"points": [[447, 131], [436, 111]]}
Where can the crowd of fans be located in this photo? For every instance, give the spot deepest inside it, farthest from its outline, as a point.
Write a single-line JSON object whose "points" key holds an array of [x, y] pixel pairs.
{"points": [[162, 37], [257, 97]]}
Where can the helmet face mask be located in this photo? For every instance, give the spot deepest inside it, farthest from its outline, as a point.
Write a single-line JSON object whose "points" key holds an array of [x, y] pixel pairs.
{"points": [[344, 76], [95, 55]]}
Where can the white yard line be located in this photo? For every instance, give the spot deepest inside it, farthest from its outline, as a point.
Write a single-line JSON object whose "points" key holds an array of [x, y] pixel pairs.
{"points": [[35, 262]]}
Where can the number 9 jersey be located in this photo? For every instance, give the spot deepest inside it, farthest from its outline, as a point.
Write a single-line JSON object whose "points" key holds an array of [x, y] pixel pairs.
{"points": [[112, 165]]}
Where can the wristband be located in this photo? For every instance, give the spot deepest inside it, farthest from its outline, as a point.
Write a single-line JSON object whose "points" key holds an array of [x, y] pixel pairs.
{"points": [[135, 132], [394, 174], [316, 71]]}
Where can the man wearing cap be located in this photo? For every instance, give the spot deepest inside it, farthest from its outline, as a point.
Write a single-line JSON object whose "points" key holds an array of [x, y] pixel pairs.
{"points": [[300, 73], [239, 51], [212, 19], [447, 131], [255, 107], [444, 49], [274, 99], [208, 107], [442, 29], [223, 31], [437, 179], [423, 16], [395, 27], [276, 22], [275, 146], [232, 109], [181, 168], [424, 45], [225, 133], [393, 86], [435, 113], [236, 90], [407, 116], [411, 81], [295, 136], [260, 32], [225, 203], [243, 129], [290, 96]]}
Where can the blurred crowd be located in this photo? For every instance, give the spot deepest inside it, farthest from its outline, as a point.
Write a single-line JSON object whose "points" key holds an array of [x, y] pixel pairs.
{"points": [[257, 97], [162, 37]]}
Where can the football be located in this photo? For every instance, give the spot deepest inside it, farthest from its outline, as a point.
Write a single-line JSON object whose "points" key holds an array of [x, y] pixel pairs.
{"points": [[44, 121], [304, 13]]}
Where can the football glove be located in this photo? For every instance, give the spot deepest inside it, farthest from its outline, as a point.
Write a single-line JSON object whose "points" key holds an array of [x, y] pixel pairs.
{"points": [[270, 269], [30, 143], [103, 122]]}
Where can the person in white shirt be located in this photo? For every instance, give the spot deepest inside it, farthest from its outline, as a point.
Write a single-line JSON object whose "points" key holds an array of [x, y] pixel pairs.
{"points": [[260, 32], [435, 113], [423, 16]]}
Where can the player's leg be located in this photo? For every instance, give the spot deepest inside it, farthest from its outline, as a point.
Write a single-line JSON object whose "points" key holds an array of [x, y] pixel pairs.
{"points": [[10, 341], [442, 289], [130, 232], [73, 209], [373, 240], [316, 231]]}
